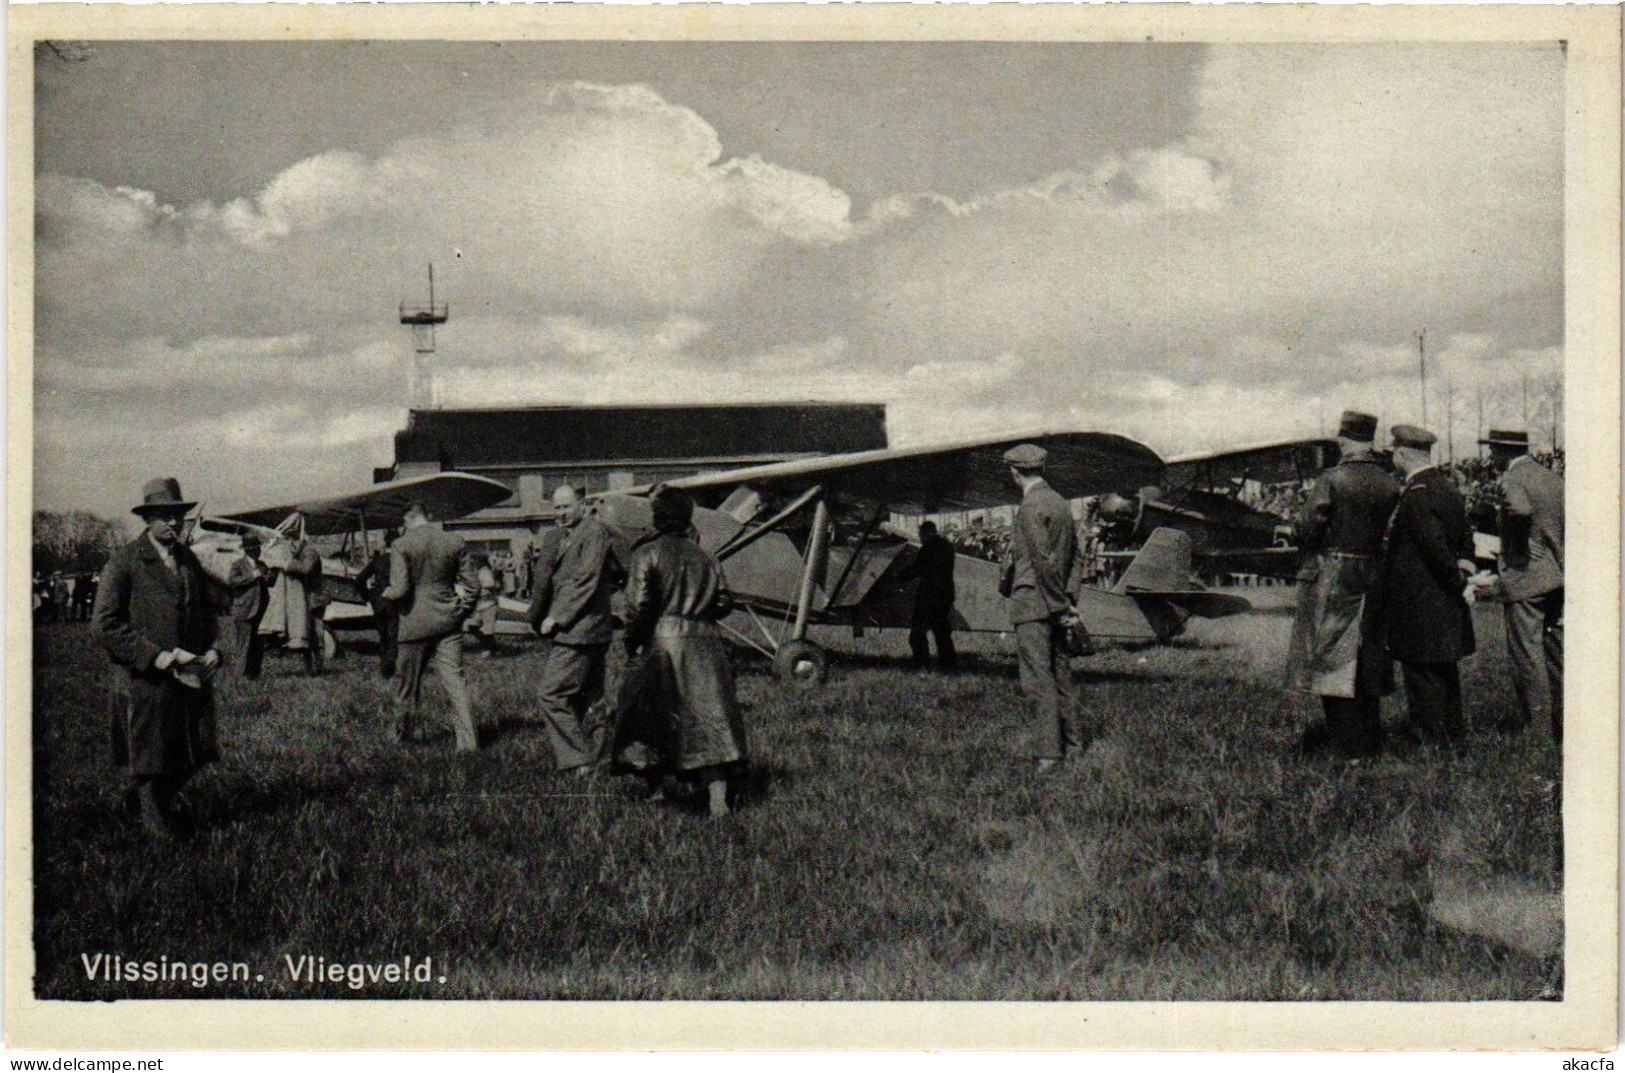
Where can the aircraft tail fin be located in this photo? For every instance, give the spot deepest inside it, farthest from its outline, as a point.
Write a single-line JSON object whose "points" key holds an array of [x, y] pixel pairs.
{"points": [[1162, 571]]}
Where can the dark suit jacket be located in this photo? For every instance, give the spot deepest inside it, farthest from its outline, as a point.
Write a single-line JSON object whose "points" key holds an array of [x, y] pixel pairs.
{"points": [[433, 582], [577, 570], [1531, 530], [934, 566], [1042, 567], [1427, 615]]}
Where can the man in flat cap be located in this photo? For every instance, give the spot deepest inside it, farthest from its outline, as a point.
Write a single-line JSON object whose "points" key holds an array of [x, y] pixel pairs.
{"points": [[1531, 577], [155, 616], [1039, 581], [1428, 557], [1337, 649]]}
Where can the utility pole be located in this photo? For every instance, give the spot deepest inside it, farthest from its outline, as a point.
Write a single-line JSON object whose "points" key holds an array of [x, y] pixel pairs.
{"points": [[1422, 369], [1450, 420], [1479, 391]]}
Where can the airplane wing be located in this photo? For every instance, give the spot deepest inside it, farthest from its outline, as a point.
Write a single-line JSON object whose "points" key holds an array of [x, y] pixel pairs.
{"points": [[965, 475], [1267, 463], [445, 495]]}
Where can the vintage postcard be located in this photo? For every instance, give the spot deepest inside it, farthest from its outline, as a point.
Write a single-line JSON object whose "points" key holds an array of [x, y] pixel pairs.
{"points": [[801, 527]]}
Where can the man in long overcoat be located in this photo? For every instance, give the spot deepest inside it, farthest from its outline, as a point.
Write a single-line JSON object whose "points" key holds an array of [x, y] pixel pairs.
{"points": [[1337, 650], [576, 572], [1531, 578], [155, 616], [432, 582], [1040, 584], [1428, 559]]}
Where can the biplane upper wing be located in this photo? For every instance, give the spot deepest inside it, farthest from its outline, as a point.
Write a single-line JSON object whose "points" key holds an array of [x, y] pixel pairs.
{"points": [[965, 475], [444, 495], [1267, 463]]}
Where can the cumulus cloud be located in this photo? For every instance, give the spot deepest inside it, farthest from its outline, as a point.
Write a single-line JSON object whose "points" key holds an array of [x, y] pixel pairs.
{"points": [[599, 244]]}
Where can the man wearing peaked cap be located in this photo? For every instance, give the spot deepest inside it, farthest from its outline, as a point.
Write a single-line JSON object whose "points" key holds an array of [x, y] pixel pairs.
{"points": [[1040, 578], [1027, 457], [1428, 557], [1337, 651], [155, 616], [1531, 577]]}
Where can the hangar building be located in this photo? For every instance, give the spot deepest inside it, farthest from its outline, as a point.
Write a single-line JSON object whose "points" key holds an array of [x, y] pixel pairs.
{"points": [[534, 449]]}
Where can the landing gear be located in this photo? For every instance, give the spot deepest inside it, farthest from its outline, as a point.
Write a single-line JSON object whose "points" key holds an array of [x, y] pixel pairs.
{"points": [[801, 663]]}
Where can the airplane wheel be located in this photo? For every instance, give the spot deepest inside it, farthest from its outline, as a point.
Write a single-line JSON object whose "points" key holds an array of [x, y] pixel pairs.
{"points": [[801, 663]]}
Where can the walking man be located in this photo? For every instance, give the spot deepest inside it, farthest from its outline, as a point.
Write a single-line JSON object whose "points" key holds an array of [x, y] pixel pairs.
{"points": [[1039, 583], [1338, 648], [933, 599], [246, 585], [1428, 557], [432, 582], [373, 580], [155, 616], [577, 569], [1531, 578]]}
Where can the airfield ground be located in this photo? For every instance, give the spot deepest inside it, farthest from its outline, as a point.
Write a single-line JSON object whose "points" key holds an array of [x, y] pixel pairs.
{"points": [[892, 846]]}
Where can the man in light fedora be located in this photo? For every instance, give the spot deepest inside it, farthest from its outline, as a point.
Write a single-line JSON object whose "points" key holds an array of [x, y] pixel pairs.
{"points": [[1531, 577], [155, 616]]}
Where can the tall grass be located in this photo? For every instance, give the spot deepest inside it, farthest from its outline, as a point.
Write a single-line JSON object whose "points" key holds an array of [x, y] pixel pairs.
{"points": [[893, 845]]}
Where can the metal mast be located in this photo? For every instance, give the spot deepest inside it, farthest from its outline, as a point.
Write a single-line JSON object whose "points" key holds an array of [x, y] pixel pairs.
{"points": [[425, 374]]}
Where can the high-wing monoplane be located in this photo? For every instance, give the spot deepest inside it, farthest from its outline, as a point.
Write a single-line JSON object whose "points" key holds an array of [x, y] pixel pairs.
{"points": [[1233, 504], [808, 541]]}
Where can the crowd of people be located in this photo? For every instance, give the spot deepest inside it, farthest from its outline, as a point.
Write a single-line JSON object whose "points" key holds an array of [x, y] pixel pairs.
{"points": [[1387, 575], [674, 719], [59, 597], [1388, 571]]}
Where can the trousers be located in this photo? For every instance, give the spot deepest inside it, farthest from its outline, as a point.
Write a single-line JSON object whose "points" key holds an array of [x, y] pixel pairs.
{"points": [[932, 619], [413, 659], [1433, 701], [1046, 678], [1354, 724], [1535, 647], [248, 646], [572, 687]]}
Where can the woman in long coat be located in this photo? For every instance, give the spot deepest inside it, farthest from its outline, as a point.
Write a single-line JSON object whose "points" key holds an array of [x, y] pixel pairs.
{"points": [[677, 711]]}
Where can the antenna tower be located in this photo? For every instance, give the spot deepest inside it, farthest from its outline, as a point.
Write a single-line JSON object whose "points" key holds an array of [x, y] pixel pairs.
{"points": [[425, 375]]}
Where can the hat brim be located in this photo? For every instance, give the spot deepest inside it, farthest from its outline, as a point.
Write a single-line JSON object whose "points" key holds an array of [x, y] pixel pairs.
{"points": [[1504, 443], [169, 508]]}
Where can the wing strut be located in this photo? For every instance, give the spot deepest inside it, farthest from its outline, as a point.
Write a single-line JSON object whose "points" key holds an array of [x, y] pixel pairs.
{"points": [[817, 552], [743, 540], [857, 553]]}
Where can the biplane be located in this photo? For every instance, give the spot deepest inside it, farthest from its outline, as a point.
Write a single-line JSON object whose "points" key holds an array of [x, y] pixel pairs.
{"points": [[1217, 499], [354, 518], [807, 542]]}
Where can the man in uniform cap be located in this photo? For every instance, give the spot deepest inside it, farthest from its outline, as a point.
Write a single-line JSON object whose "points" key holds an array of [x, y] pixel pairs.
{"points": [[155, 616], [1040, 580], [1531, 577], [1337, 648], [1428, 557]]}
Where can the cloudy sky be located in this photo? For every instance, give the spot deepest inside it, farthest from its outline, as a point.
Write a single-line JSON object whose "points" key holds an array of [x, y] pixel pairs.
{"points": [[1196, 246]]}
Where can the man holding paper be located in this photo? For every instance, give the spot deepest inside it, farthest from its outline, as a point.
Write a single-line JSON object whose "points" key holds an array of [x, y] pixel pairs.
{"points": [[155, 616]]}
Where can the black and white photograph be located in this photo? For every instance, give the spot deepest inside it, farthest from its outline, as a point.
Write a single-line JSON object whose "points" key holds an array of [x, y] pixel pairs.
{"points": [[849, 520]]}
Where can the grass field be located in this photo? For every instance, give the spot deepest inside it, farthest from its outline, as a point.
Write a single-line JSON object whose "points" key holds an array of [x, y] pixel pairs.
{"points": [[892, 846]]}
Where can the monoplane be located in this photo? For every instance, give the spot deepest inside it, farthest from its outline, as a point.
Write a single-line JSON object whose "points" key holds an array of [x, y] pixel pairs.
{"points": [[811, 542]]}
